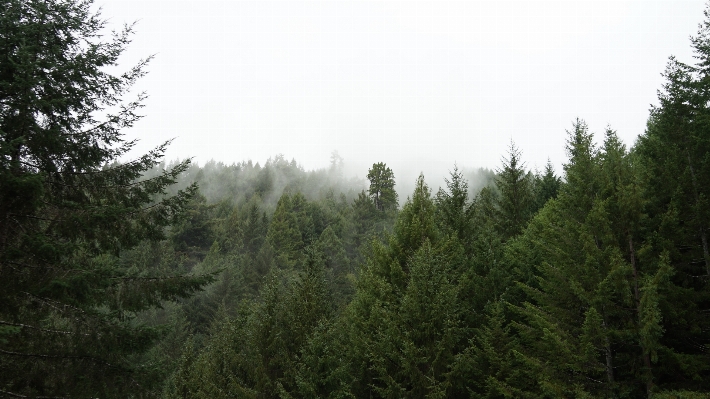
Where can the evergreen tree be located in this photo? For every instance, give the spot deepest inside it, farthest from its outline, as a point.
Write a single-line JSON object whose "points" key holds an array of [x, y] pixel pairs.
{"points": [[673, 156], [602, 297], [364, 218], [382, 187], [324, 368], [291, 230], [452, 205], [67, 209], [546, 186], [338, 267], [415, 223], [490, 367], [486, 277], [516, 194], [405, 319], [258, 353], [254, 227], [581, 171], [193, 233]]}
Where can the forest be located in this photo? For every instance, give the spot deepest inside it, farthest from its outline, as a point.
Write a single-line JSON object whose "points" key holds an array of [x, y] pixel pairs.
{"points": [[148, 278]]}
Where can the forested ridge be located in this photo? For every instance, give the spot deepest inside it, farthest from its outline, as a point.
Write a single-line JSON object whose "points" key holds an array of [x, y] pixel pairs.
{"points": [[151, 279]]}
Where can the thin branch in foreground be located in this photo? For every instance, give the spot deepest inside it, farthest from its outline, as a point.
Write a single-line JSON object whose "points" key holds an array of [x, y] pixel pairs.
{"points": [[17, 395]]}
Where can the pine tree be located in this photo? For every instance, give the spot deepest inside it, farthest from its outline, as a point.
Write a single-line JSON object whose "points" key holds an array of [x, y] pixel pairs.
{"points": [[289, 230], [364, 219], [602, 296], [68, 209], [486, 277], [382, 187], [516, 195], [673, 156], [489, 366], [405, 321], [546, 186], [258, 353], [452, 205]]}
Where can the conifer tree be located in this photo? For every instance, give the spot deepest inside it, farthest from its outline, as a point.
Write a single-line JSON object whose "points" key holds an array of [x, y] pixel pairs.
{"points": [[546, 186], [291, 230], [258, 353], [363, 216], [601, 296], [452, 205], [486, 277], [673, 155], [254, 227], [405, 319], [489, 366], [68, 209], [516, 194], [382, 187]]}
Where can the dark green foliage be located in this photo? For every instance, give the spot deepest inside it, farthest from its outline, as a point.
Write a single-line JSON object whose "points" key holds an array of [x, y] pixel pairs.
{"points": [[546, 186], [382, 187], [675, 158], [516, 201], [405, 320], [193, 233], [295, 225], [257, 354], [452, 206], [67, 210], [324, 368], [491, 367], [594, 285], [601, 297], [365, 216]]}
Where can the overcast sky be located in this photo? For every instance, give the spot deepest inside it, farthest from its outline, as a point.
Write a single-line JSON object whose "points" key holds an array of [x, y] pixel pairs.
{"points": [[418, 85]]}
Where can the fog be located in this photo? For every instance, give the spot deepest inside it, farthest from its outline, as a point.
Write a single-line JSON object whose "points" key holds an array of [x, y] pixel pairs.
{"points": [[418, 85]]}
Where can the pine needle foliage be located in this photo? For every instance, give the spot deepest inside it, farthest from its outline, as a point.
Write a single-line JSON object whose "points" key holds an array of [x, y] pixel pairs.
{"points": [[68, 209]]}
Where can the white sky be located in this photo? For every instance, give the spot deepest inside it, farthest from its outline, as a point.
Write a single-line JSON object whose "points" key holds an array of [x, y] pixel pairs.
{"points": [[418, 85]]}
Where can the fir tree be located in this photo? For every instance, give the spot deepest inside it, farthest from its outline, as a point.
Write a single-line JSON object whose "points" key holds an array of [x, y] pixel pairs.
{"points": [[673, 157], [382, 187], [546, 186], [67, 209], [452, 205], [516, 194], [601, 296], [405, 321], [289, 230]]}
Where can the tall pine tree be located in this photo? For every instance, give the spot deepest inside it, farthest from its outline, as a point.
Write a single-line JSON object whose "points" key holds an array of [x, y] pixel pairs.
{"points": [[67, 209], [516, 194]]}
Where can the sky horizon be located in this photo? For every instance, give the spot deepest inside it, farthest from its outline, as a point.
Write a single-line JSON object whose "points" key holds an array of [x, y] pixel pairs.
{"points": [[417, 85]]}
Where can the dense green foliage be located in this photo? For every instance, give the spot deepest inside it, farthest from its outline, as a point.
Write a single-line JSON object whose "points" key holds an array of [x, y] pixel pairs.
{"points": [[68, 299], [275, 282]]}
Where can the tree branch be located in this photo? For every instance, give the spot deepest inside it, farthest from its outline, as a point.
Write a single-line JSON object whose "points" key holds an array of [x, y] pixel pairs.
{"points": [[17, 395], [42, 356]]}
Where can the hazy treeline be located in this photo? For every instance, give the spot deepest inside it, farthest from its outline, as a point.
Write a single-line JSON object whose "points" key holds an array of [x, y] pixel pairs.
{"points": [[278, 229], [593, 284], [239, 181]]}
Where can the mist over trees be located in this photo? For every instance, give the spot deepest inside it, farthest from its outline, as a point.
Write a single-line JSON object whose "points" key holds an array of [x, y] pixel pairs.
{"points": [[147, 279]]}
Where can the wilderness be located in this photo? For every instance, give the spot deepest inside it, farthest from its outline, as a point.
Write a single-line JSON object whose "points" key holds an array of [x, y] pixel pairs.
{"points": [[148, 278]]}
